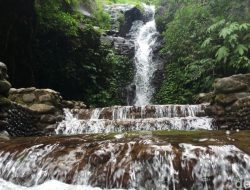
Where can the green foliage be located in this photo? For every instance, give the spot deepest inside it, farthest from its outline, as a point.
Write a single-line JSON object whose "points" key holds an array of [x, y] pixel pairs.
{"points": [[183, 37], [102, 17], [120, 74], [203, 40], [229, 42], [53, 14], [70, 57]]}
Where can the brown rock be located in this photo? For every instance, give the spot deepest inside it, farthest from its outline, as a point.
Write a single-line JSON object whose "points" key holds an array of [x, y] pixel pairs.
{"points": [[244, 78], [225, 100], [241, 103], [229, 85], [29, 98], [45, 98], [42, 108], [205, 97], [216, 110], [49, 119]]}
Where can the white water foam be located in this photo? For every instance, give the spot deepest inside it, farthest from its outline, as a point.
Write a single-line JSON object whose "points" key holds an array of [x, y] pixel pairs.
{"points": [[140, 164], [49, 185], [72, 125]]}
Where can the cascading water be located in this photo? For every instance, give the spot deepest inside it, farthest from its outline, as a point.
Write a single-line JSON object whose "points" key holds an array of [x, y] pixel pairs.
{"points": [[141, 118], [138, 162], [91, 157], [145, 66]]}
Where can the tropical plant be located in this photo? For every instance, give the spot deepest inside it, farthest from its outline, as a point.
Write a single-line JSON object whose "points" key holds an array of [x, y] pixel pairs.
{"points": [[228, 43]]}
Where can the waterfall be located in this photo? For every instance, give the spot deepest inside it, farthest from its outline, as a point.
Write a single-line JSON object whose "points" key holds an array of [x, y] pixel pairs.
{"points": [[130, 147], [145, 40], [148, 162]]}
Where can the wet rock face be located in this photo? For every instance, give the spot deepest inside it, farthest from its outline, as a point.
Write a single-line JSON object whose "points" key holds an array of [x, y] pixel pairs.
{"points": [[130, 16], [230, 101], [122, 45]]}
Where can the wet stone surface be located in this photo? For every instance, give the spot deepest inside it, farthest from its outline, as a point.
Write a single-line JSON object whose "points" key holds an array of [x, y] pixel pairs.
{"points": [[145, 160]]}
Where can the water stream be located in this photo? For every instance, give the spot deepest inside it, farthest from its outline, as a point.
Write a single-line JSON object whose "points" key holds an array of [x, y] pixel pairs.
{"points": [[142, 147], [138, 161]]}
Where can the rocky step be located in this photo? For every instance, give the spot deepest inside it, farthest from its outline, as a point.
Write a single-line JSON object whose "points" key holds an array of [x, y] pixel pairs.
{"points": [[73, 125], [197, 160], [135, 112]]}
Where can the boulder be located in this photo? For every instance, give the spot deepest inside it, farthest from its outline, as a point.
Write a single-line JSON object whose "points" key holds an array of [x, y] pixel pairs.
{"points": [[241, 103], [73, 104], [225, 100], [42, 108], [229, 85], [48, 119], [4, 87], [244, 78], [29, 98], [22, 90], [4, 101], [46, 98], [117, 16], [205, 97], [130, 16]]}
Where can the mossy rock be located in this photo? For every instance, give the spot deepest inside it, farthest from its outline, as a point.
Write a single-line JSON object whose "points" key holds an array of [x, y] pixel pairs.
{"points": [[4, 87], [4, 101]]}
